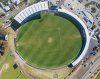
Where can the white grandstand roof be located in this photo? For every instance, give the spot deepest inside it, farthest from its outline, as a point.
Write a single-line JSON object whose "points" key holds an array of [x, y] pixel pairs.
{"points": [[31, 10]]}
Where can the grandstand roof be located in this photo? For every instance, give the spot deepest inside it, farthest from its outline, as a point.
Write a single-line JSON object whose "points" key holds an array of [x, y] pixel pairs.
{"points": [[31, 10]]}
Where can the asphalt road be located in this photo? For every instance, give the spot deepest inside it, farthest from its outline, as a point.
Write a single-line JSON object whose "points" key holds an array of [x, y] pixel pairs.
{"points": [[92, 69]]}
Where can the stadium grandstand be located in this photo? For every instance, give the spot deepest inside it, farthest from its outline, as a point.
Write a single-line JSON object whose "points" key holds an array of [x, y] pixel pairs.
{"points": [[34, 12]]}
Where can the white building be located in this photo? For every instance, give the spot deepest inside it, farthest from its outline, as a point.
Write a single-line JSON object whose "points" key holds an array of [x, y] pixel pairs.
{"points": [[16, 1]]}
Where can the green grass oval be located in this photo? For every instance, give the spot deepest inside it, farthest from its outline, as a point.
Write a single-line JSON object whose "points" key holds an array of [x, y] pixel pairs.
{"points": [[48, 42]]}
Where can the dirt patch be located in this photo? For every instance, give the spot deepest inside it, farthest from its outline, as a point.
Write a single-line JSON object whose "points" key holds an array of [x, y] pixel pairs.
{"points": [[50, 40]]}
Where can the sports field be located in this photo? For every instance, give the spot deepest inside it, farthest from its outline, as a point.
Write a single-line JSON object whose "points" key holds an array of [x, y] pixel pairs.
{"points": [[51, 41]]}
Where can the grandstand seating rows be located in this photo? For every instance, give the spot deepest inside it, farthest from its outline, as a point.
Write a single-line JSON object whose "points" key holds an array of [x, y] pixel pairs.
{"points": [[31, 10], [84, 52]]}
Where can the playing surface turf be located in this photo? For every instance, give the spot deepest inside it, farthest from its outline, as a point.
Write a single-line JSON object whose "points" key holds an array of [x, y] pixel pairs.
{"points": [[51, 41]]}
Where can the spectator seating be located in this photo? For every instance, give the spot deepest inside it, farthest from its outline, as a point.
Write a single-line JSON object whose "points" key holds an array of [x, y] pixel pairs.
{"points": [[31, 10]]}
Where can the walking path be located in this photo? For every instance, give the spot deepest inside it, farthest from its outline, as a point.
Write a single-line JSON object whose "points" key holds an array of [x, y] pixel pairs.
{"points": [[4, 67]]}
